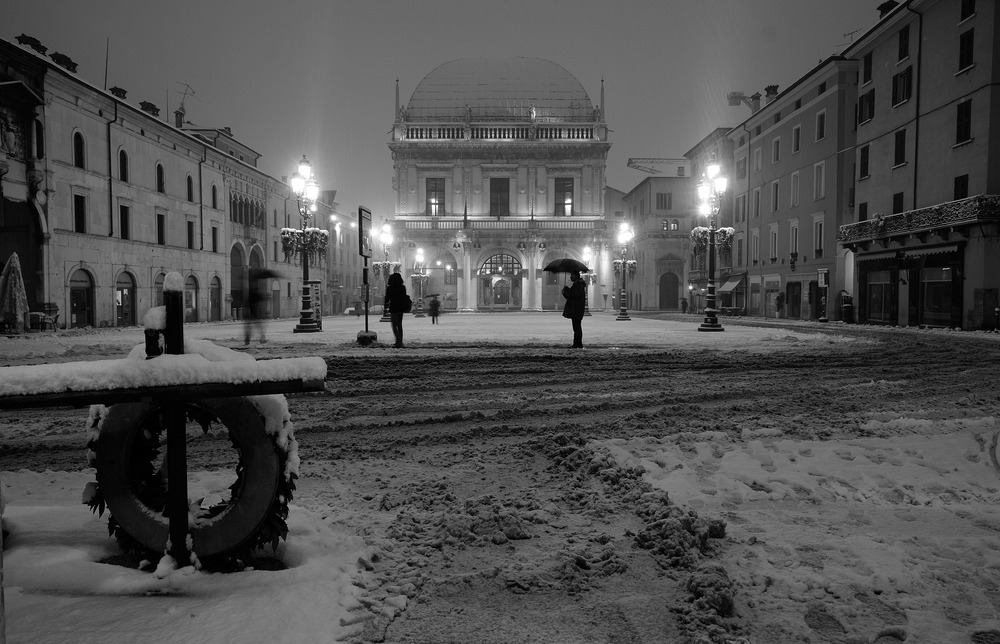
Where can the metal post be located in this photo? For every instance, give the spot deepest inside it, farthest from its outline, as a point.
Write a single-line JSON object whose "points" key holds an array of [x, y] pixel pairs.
{"points": [[307, 323], [623, 310], [174, 419], [711, 322]]}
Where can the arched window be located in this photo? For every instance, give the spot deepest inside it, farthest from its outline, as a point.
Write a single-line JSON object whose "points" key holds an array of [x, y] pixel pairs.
{"points": [[190, 187], [79, 151], [675, 224], [215, 196], [160, 181], [123, 165]]}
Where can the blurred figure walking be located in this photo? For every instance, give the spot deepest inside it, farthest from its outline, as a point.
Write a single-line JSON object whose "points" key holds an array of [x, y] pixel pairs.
{"points": [[435, 309], [255, 304]]}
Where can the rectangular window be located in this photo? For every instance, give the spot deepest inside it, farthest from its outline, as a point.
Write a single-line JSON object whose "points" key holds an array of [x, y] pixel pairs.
{"points": [[866, 68], [79, 214], [756, 159], [775, 150], [215, 242], [664, 200], [756, 202], [740, 208], [899, 156], [190, 234], [866, 106], [968, 9], [966, 42], [818, 237], [793, 239], [821, 89], [962, 186], [741, 168], [897, 203], [739, 252], [435, 196], [500, 197], [863, 172], [755, 248], [564, 196], [161, 229], [796, 138], [274, 248], [774, 244], [963, 122], [903, 43], [774, 196], [794, 198], [819, 180], [820, 126], [863, 211], [123, 222], [902, 86]]}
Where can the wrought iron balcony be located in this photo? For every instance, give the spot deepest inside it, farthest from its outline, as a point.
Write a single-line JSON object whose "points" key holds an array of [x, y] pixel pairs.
{"points": [[942, 220]]}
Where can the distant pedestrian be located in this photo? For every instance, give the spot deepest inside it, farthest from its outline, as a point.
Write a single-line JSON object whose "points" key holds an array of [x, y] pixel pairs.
{"points": [[255, 304], [435, 309], [684, 305], [576, 296], [397, 303]]}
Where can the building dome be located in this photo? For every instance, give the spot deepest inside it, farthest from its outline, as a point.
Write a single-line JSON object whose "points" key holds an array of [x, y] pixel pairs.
{"points": [[500, 89]]}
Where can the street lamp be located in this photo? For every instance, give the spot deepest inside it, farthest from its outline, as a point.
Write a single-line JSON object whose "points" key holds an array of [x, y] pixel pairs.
{"points": [[587, 256], [419, 279], [306, 190], [386, 239], [624, 237], [710, 190]]}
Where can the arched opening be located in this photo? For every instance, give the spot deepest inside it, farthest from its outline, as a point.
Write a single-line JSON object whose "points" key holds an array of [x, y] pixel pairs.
{"points": [[215, 299], [125, 300], [123, 165], [191, 299], [237, 277], [81, 300], [669, 292], [79, 151], [500, 284]]}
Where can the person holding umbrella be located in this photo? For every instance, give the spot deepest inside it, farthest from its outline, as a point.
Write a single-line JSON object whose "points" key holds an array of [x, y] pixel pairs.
{"points": [[575, 295], [396, 302]]}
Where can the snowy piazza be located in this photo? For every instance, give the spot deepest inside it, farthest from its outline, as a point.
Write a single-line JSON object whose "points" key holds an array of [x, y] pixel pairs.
{"points": [[796, 482]]}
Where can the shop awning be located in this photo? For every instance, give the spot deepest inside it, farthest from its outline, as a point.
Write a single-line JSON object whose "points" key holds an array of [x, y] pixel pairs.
{"points": [[916, 251], [731, 283]]}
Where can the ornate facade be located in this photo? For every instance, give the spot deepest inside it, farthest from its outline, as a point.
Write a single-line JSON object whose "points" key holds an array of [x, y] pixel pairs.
{"points": [[499, 167]]}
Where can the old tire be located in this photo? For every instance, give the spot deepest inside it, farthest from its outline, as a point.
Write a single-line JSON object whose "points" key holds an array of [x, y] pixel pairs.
{"points": [[119, 456]]}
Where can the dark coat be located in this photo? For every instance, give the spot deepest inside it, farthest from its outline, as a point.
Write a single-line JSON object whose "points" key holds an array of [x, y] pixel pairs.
{"points": [[576, 296], [435, 306], [394, 294]]}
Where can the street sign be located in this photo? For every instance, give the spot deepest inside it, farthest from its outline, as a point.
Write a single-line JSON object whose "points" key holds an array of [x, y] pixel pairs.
{"points": [[364, 232]]}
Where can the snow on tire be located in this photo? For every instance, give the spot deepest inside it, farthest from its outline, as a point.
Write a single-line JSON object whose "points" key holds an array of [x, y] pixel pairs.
{"points": [[132, 488]]}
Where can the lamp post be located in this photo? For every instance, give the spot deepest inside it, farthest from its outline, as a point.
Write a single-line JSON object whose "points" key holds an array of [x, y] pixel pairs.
{"points": [[419, 267], [624, 237], [710, 190], [587, 255], [306, 190], [386, 238]]}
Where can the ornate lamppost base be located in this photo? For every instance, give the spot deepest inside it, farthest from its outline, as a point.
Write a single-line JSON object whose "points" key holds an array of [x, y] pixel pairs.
{"points": [[711, 324], [623, 316], [306, 325]]}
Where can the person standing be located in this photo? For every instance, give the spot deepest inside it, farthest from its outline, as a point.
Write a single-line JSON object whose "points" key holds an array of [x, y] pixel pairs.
{"points": [[435, 309], [684, 305], [395, 305], [576, 296]]}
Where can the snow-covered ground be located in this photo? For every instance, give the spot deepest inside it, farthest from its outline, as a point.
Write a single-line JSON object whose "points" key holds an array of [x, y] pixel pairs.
{"points": [[899, 518]]}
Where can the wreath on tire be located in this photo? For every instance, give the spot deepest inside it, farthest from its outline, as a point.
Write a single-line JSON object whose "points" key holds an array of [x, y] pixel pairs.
{"points": [[125, 447]]}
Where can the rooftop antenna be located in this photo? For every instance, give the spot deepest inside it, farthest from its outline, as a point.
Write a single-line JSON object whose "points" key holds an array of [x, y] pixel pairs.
{"points": [[188, 91]]}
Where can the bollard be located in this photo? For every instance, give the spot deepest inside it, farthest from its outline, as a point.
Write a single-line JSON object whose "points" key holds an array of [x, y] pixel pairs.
{"points": [[174, 418]]}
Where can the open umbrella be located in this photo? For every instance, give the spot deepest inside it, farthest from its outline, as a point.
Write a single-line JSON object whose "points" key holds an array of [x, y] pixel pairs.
{"points": [[566, 265], [13, 298]]}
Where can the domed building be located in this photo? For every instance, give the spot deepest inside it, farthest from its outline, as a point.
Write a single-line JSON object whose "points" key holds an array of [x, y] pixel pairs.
{"points": [[499, 167]]}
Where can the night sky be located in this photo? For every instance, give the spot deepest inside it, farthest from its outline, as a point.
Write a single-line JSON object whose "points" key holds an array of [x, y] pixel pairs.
{"points": [[318, 77]]}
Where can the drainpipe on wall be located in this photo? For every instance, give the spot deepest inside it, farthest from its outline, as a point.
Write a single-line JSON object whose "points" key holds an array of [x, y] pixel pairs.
{"points": [[916, 100]]}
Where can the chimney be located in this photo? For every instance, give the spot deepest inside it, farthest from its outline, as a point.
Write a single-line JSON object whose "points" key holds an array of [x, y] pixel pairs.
{"points": [[149, 108], [118, 92], [179, 117], [228, 130], [886, 7], [770, 93], [755, 102]]}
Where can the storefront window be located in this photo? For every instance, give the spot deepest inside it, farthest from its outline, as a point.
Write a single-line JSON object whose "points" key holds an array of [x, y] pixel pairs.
{"points": [[936, 285], [879, 303]]}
